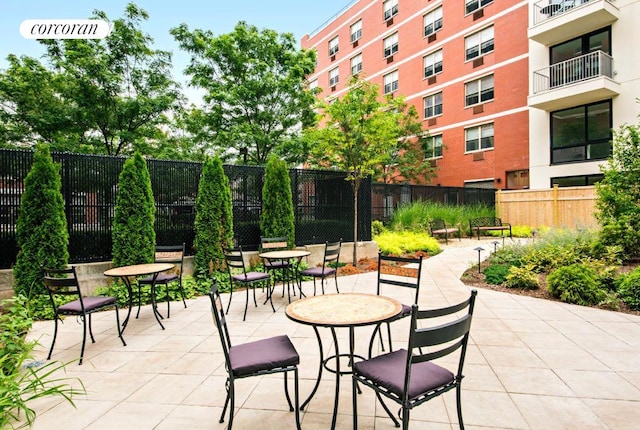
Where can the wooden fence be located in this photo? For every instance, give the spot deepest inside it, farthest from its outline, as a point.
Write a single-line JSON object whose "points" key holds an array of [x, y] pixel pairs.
{"points": [[568, 207]]}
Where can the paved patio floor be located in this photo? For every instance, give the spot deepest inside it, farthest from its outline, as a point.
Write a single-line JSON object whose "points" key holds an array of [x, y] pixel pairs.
{"points": [[531, 364]]}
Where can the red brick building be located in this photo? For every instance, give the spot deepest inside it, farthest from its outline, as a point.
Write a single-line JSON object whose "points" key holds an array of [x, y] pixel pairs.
{"points": [[462, 63]]}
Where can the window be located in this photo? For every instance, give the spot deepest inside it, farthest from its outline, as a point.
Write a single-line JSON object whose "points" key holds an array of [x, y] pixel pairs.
{"points": [[479, 91], [479, 43], [334, 77], [356, 64], [432, 146], [433, 105], [390, 8], [576, 181], [356, 31], [478, 138], [391, 45], [433, 63], [433, 21], [391, 82], [313, 84], [472, 5], [333, 46], [581, 133]]}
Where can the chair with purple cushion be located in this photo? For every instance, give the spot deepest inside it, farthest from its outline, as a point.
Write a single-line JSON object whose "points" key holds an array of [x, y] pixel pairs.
{"points": [[272, 355], [331, 256], [64, 282], [409, 377], [167, 254], [238, 275]]}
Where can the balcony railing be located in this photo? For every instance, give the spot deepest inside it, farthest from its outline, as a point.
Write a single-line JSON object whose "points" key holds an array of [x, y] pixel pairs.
{"points": [[545, 9], [592, 65]]}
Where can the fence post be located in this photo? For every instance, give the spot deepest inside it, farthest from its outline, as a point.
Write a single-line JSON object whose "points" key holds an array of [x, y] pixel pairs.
{"points": [[499, 203]]}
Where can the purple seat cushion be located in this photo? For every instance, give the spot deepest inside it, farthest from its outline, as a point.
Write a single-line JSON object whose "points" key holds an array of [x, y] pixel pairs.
{"points": [[318, 271], [388, 371], [265, 354], [90, 303], [162, 278], [251, 277]]}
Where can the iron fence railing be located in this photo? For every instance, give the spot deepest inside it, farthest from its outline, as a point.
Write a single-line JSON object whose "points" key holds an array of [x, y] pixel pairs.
{"points": [[592, 65], [545, 9]]}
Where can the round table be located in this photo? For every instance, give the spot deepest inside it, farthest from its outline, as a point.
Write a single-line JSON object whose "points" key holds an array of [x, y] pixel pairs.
{"points": [[127, 272], [340, 310], [286, 255]]}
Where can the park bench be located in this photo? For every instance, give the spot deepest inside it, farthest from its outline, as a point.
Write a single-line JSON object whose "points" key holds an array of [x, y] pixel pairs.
{"points": [[488, 223], [439, 227]]}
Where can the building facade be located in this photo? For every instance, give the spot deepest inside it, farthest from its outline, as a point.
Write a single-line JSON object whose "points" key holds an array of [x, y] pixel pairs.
{"points": [[462, 63]]}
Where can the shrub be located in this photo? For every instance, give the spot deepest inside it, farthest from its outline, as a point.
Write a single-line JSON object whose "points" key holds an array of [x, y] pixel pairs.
{"points": [[41, 228], [496, 274], [511, 255], [523, 278], [406, 242], [277, 217], [559, 248], [629, 289], [377, 227], [576, 283]]}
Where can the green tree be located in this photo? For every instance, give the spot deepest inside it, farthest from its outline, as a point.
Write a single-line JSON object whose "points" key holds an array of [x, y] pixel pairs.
{"points": [[256, 100], [41, 229], [618, 202], [214, 219], [360, 133], [277, 217], [133, 233]]}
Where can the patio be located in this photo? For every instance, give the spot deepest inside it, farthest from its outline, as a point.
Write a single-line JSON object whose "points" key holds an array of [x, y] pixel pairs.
{"points": [[531, 364]]}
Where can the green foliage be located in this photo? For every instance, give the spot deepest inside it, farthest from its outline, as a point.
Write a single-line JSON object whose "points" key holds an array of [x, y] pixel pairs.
{"points": [[133, 231], [629, 289], [559, 248], [41, 229], [522, 277], [511, 255], [377, 227], [618, 193], [516, 231], [214, 219], [406, 242], [496, 274], [277, 218], [576, 283]]}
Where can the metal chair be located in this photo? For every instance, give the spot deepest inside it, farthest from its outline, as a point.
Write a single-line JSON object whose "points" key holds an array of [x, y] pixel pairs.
{"points": [[408, 376], [275, 244], [331, 256], [167, 254], [238, 275], [64, 282], [272, 355]]}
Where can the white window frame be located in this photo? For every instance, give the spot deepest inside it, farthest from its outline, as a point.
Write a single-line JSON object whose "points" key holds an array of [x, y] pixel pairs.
{"points": [[479, 88], [391, 82], [313, 85], [482, 42], [479, 132], [390, 8], [433, 144], [356, 64], [433, 63], [334, 76], [433, 20], [471, 6], [356, 30], [390, 44], [432, 102], [334, 46]]}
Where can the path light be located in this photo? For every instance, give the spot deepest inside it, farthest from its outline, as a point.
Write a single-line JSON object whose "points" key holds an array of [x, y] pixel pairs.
{"points": [[479, 249], [533, 234], [495, 245]]}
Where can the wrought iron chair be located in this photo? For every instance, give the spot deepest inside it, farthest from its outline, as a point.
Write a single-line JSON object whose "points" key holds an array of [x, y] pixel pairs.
{"points": [[168, 254], [409, 377], [275, 244], [331, 256], [238, 275], [272, 355], [64, 282]]}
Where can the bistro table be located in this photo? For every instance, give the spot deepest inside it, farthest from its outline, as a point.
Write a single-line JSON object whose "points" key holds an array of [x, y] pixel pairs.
{"points": [[348, 310], [288, 271], [127, 272]]}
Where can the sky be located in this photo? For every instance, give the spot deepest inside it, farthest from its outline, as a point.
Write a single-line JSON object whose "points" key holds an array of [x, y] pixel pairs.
{"points": [[299, 17]]}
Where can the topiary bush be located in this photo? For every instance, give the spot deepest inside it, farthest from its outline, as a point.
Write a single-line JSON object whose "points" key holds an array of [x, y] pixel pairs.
{"points": [[629, 289], [523, 278], [496, 274], [277, 218], [577, 283]]}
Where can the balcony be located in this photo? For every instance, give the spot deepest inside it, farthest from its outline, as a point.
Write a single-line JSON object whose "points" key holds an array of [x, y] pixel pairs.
{"points": [[574, 82], [555, 21]]}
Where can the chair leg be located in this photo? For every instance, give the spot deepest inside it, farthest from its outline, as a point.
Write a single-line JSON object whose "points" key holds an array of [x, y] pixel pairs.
{"points": [[459, 405], [296, 397], [229, 386], [314, 285], [184, 301], [55, 333], [84, 338], [139, 300], [389, 334], [354, 399], [405, 418], [270, 297], [166, 289], [230, 295], [118, 326], [246, 304], [286, 391], [335, 278], [91, 329], [386, 409]]}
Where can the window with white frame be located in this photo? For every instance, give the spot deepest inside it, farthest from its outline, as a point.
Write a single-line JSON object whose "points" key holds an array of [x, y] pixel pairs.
{"points": [[433, 21], [432, 146], [390, 82], [356, 64], [478, 138], [313, 84], [433, 105], [334, 77], [390, 8], [433, 63], [478, 91], [473, 5], [333, 46], [390, 45], [479, 43], [356, 31]]}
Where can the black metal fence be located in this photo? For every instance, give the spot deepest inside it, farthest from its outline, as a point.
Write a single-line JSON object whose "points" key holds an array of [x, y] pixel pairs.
{"points": [[323, 203]]}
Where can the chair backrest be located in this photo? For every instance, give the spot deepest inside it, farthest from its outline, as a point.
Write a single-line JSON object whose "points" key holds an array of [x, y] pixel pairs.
{"points": [[274, 243], [437, 224], [437, 337], [217, 312], [393, 271], [331, 252], [170, 254], [234, 259], [62, 282]]}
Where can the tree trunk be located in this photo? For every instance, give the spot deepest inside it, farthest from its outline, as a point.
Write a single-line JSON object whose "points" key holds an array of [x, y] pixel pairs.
{"points": [[356, 188]]}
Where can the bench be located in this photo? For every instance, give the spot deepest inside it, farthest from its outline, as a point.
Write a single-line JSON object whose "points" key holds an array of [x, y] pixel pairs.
{"points": [[488, 223], [439, 227]]}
